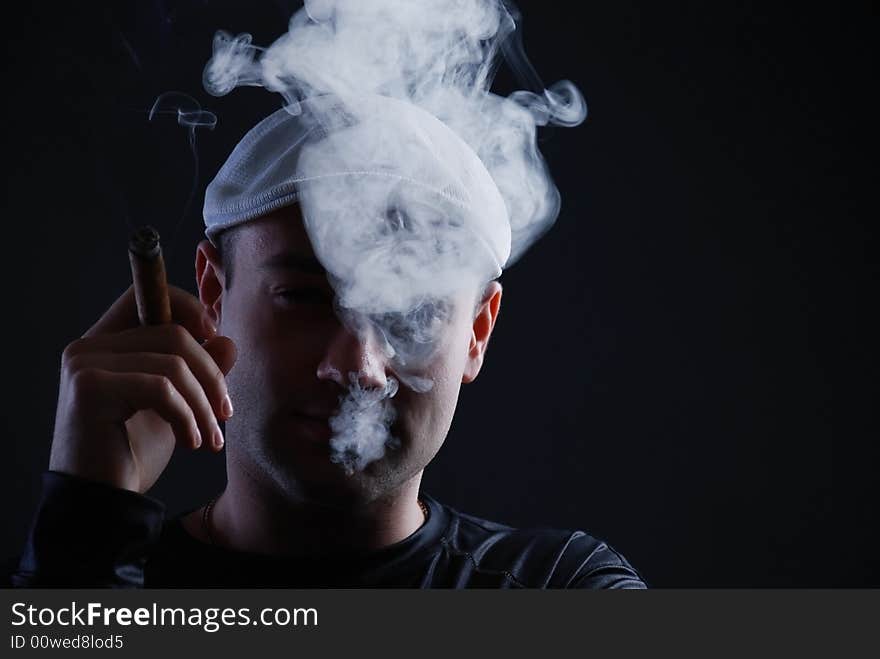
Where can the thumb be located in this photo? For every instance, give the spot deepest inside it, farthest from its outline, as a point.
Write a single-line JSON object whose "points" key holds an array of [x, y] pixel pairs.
{"points": [[222, 349]]}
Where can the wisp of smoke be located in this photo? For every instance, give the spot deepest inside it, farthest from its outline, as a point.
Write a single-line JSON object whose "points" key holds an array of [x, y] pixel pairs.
{"points": [[191, 116], [416, 182], [361, 425]]}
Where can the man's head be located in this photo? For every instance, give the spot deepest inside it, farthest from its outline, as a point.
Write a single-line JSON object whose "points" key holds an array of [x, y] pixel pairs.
{"points": [[294, 354]]}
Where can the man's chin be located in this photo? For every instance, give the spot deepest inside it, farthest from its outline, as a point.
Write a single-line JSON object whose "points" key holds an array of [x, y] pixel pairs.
{"points": [[311, 474]]}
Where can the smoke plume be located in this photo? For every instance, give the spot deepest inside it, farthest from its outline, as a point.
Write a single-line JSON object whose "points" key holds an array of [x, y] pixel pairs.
{"points": [[416, 181]]}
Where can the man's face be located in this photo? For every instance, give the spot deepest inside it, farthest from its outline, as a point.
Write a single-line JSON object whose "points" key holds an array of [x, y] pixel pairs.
{"points": [[294, 357]]}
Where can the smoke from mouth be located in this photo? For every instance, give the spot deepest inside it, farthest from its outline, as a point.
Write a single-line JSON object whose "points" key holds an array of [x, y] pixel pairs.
{"points": [[416, 181], [361, 425]]}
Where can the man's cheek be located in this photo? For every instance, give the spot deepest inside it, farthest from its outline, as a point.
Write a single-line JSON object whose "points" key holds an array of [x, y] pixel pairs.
{"points": [[425, 413]]}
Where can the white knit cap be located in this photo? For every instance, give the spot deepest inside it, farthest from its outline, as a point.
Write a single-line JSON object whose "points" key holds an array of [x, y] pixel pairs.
{"points": [[355, 165]]}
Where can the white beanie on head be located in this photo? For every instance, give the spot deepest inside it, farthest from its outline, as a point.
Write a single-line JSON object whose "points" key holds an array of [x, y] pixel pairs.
{"points": [[385, 187]]}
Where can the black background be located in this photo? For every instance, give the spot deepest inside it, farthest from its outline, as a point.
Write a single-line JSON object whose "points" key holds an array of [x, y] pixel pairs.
{"points": [[663, 368]]}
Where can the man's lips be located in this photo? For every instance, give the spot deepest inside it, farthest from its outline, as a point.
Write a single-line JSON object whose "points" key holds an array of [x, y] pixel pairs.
{"points": [[317, 413], [317, 427]]}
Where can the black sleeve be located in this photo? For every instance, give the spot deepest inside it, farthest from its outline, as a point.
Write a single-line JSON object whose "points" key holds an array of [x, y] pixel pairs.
{"points": [[88, 535], [598, 565]]}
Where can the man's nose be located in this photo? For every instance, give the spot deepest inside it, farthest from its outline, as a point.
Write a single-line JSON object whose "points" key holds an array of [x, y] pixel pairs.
{"points": [[354, 353]]}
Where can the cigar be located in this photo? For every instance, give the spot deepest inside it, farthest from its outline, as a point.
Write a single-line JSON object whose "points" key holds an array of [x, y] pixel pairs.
{"points": [[148, 274]]}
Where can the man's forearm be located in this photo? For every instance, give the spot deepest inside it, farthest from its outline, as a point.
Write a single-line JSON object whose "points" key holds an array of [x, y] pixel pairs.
{"points": [[87, 534]]}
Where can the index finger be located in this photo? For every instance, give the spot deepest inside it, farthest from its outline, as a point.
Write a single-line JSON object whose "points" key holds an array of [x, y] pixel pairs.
{"points": [[186, 310]]}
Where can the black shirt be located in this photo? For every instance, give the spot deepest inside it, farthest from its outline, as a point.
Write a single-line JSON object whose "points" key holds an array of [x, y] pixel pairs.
{"points": [[88, 534]]}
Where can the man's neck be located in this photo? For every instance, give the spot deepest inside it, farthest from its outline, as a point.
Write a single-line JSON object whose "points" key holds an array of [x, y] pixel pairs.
{"points": [[249, 516]]}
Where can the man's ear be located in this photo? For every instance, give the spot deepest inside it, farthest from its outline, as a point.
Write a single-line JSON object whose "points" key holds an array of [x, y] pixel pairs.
{"points": [[210, 279], [484, 323]]}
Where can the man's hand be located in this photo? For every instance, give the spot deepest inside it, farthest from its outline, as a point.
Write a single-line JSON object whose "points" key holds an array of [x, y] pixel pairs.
{"points": [[129, 394]]}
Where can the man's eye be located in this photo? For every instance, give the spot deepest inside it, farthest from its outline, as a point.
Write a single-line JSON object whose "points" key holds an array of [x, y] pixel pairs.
{"points": [[304, 296]]}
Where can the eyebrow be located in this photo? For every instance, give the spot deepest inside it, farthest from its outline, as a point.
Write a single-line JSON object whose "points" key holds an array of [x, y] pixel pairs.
{"points": [[293, 261]]}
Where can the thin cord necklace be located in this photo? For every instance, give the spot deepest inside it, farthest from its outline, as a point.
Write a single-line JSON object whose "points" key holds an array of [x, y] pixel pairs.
{"points": [[207, 525]]}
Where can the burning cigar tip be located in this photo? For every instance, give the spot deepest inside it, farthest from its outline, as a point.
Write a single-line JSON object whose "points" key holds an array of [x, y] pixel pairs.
{"points": [[144, 242]]}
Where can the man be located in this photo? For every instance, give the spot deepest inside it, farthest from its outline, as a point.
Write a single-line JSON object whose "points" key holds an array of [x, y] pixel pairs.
{"points": [[347, 290], [288, 516]]}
